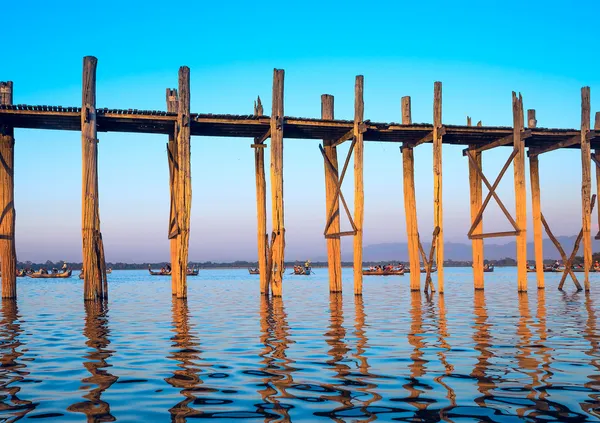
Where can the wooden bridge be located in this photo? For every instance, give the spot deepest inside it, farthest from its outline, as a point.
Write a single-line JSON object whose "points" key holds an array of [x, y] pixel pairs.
{"points": [[179, 124]]}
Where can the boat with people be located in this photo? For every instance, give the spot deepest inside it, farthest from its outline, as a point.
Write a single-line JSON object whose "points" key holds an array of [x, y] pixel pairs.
{"points": [[381, 272], [305, 270], [253, 271], [44, 274], [488, 268], [166, 271], [423, 270]]}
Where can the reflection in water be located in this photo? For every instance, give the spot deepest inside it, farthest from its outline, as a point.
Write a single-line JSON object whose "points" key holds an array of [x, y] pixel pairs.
{"points": [[96, 331], [444, 348], [277, 367], [185, 351], [591, 335], [13, 370], [418, 365], [483, 344]]}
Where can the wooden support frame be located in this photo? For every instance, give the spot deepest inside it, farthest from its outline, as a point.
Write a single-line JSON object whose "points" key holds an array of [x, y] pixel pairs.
{"points": [[561, 144], [437, 183], [183, 183], [94, 267], [520, 192], [586, 185], [536, 209], [428, 262], [410, 210], [334, 257], [172, 155], [277, 215], [596, 160], [261, 205], [498, 143], [359, 198], [8, 252]]}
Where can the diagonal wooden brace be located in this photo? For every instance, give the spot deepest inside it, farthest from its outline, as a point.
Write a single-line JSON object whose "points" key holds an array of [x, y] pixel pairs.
{"points": [[428, 262]]}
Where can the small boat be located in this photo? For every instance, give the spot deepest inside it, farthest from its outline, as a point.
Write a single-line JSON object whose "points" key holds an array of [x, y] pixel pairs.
{"points": [[109, 270], [191, 272], [60, 275], [378, 272], [531, 269], [304, 271], [488, 268], [254, 271]]}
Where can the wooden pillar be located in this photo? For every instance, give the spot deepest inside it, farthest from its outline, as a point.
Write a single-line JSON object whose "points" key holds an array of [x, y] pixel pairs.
{"points": [[359, 198], [183, 184], [334, 257], [261, 208], [586, 185], [597, 157], [8, 253], [277, 117], [410, 203], [172, 107], [438, 213], [520, 192], [475, 191], [536, 210], [94, 270]]}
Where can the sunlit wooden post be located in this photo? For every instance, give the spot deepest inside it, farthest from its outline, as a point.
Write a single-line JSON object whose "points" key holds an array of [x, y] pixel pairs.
{"points": [[476, 201], [94, 270], [410, 203], [586, 185], [359, 199], [277, 118], [261, 207], [520, 192], [183, 189], [172, 107], [334, 257], [597, 157], [437, 183], [8, 253], [536, 211]]}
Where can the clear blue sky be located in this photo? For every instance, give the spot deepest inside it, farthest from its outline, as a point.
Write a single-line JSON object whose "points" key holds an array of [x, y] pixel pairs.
{"points": [[481, 51]]}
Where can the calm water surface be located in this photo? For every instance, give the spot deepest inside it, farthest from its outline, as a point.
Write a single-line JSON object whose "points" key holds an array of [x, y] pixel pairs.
{"points": [[227, 353]]}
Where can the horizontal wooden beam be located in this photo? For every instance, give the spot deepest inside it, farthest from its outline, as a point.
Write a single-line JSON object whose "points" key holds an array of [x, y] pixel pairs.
{"points": [[427, 138], [339, 234], [536, 151], [499, 142], [494, 234], [258, 145]]}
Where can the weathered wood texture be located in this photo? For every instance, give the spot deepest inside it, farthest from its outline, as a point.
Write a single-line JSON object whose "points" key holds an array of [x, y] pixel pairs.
{"points": [[410, 211], [261, 208], [334, 257], [476, 196], [277, 183], [173, 232], [406, 111], [183, 184], [534, 176], [94, 270], [520, 192], [531, 121], [597, 160], [586, 185], [438, 212], [359, 199], [8, 253]]}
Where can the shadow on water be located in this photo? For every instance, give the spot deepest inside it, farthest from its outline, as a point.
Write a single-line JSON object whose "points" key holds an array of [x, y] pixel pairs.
{"points": [[187, 354], [13, 369], [97, 332]]}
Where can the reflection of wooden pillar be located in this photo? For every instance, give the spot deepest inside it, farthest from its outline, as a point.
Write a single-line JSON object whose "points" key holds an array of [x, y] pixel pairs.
{"points": [[438, 213], [183, 183], [476, 199], [94, 270], [277, 183], [8, 252], [537, 219], [586, 185], [172, 107], [261, 209], [359, 198], [520, 193], [334, 257]]}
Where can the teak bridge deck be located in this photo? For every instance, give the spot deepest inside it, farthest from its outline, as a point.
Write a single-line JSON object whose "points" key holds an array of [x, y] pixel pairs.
{"points": [[180, 124]]}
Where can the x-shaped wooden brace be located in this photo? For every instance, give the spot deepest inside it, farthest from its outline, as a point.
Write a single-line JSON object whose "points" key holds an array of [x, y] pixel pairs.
{"points": [[173, 165], [338, 195], [428, 263], [568, 262], [492, 193]]}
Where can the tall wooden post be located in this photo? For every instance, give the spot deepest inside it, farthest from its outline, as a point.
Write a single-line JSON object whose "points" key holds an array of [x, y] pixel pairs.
{"points": [[438, 213], [520, 192], [183, 188], [475, 191], [597, 157], [410, 203], [586, 185], [172, 107], [536, 210], [261, 208], [334, 257], [8, 252], [277, 117], [94, 270], [359, 199]]}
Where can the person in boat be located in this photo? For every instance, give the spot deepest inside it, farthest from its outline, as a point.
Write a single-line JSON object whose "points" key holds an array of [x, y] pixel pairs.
{"points": [[168, 268], [400, 266], [307, 265], [64, 267], [556, 265], [43, 271], [596, 265], [371, 269]]}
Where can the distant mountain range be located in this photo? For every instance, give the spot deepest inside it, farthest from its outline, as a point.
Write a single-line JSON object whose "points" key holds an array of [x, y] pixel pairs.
{"points": [[457, 251]]}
